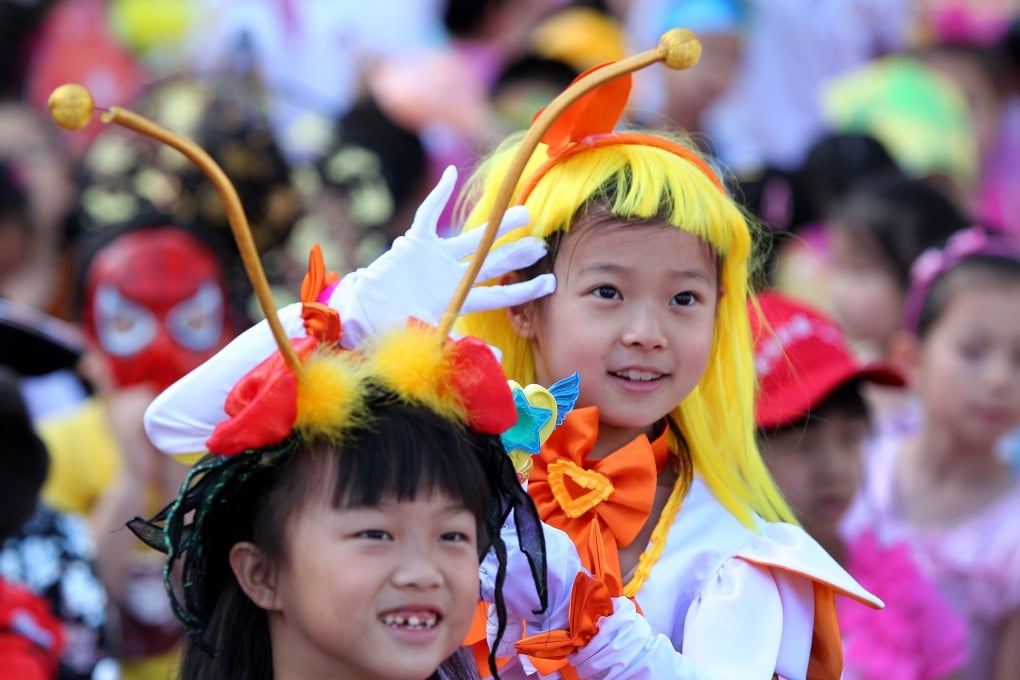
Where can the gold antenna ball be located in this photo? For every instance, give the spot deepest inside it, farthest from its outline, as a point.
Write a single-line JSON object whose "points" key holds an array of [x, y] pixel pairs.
{"points": [[71, 106], [683, 49]]}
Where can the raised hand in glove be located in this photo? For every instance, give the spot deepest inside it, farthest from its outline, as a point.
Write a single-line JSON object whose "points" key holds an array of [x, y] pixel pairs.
{"points": [[519, 593], [418, 275]]}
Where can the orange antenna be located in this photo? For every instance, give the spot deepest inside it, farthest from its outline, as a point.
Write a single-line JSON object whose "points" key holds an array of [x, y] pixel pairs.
{"points": [[72, 106], [679, 49]]}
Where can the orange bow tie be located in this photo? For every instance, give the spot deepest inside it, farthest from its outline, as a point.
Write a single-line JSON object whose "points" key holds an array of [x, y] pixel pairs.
{"points": [[572, 492]]}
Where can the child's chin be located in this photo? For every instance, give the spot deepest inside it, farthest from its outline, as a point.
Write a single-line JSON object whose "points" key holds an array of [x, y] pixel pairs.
{"points": [[826, 516], [624, 421]]}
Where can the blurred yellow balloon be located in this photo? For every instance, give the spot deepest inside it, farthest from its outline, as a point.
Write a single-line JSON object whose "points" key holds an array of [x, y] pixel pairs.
{"points": [[147, 25]]}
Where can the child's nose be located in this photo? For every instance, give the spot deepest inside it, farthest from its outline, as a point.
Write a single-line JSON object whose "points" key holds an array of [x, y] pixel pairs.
{"points": [[418, 568], [644, 328], [834, 461], [999, 374]]}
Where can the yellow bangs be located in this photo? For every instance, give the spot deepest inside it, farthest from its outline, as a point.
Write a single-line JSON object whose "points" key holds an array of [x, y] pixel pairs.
{"points": [[646, 182]]}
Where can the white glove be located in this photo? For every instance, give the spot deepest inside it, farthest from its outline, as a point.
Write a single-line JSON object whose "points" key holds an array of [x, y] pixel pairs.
{"points": [[418, 275], [519, 593], [626, 647]]}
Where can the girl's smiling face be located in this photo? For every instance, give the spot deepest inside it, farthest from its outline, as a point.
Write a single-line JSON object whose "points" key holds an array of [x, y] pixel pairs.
{"points": [[634, 315], [383, 591]]}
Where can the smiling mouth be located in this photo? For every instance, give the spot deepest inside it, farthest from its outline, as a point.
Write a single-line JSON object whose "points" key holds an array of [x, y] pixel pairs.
{"points": [[638, 376], [416, 621]]}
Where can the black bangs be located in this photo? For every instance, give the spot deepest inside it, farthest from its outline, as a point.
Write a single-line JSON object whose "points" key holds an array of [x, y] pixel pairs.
{"points": [[406, 451]]}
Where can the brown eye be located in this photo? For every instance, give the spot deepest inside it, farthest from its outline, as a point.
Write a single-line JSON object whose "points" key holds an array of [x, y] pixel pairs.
{"points": [[685, 299], [606, 292]]}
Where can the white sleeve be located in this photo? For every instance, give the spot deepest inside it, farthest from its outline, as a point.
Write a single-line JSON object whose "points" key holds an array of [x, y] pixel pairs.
{"points": [[734, 630], [750, 622]]}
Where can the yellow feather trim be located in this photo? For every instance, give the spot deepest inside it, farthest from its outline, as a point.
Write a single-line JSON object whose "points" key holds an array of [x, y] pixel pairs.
{"points": [[413, 363], [330, 395]]}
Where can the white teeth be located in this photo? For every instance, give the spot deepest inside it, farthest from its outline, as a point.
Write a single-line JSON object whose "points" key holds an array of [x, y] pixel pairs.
{"points": [[423, 622], [640, 376]]}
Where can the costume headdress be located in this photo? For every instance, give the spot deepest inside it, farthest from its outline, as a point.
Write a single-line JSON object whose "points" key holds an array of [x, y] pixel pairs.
{"points": [[583, 117], [312, 388]]}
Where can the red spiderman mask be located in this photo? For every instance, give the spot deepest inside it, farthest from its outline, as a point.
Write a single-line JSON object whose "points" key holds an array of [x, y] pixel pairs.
{"points": [[155, 304]]}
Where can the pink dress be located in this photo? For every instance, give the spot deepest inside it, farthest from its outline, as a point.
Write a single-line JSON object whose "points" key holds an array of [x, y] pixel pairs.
{"points": [[917, 636], [975, 564]]}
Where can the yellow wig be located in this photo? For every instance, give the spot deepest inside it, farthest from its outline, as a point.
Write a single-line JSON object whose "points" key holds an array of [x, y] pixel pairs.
{"points": [[639, 182]]}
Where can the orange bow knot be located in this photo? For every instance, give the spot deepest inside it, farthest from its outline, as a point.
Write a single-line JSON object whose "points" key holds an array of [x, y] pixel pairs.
{"points": [[572, 492]]}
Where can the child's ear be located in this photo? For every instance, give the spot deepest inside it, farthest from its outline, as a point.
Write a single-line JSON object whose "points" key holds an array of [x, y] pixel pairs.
{"points": [[254, 574], [522, 317], [904, 354]]}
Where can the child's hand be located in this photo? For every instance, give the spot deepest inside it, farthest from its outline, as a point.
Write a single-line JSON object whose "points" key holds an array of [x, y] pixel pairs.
{"points": [[418, 275], [519, 593]]}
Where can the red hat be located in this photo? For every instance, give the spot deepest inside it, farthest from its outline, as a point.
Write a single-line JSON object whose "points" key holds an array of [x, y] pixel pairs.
{"points": [[801, 357]]}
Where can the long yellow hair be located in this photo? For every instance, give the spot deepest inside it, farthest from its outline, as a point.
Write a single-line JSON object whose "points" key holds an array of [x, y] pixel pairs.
{"points": [[639, 182]]}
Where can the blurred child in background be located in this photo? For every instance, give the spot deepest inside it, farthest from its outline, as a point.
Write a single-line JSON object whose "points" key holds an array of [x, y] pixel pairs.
{"points": [[876, 232], [52, 553], [32, 639], [794, 206], [154, 305], [812, 423], [945, 488], [39, 195]]}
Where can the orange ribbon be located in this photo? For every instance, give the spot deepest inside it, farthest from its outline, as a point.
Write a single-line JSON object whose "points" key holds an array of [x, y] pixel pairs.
{"points": [[572, 492], [589, 601], [590, 122], [321, 321]]}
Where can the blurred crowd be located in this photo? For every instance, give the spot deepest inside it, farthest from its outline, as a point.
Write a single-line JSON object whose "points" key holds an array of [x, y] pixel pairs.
{"points": [[859, 133]]}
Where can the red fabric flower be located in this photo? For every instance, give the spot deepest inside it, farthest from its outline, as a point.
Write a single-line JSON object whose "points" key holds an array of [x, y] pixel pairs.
{"points": [[481, 383], [262, 406]]}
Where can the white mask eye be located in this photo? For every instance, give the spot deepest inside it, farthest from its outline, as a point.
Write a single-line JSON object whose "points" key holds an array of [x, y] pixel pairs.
{"points": [[122, 326], [197, 322]]}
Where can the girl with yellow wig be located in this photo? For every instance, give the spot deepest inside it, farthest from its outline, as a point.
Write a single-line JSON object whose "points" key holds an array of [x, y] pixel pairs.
{"points": [[655, 474]]}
